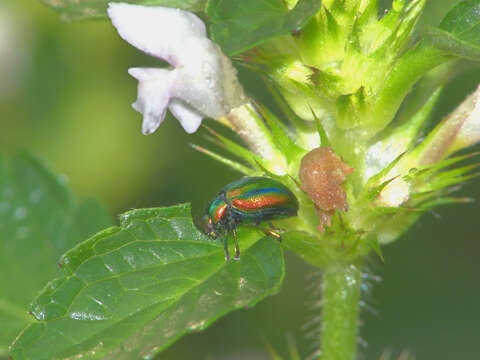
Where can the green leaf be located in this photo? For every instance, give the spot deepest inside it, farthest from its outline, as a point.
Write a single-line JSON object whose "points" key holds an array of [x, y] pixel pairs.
{"points": [[450, 45], [39, 221], [130, 291], [96, 9], [240, 25], [459, 32], [463, 21]]}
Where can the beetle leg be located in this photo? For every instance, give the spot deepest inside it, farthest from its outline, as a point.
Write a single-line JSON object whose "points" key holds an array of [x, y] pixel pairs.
{"points": [[225, 246], [232, 226], [270, 232], [237, 249], [273, 233]]}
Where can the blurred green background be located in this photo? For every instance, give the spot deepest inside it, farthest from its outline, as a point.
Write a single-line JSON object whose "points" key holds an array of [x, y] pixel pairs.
{"points": [[65, 95]]}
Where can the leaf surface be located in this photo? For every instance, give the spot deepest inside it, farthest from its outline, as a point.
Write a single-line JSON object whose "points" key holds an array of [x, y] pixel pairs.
{"points": [[459, 31], [130, 291], [240, 25], [39, 221]]}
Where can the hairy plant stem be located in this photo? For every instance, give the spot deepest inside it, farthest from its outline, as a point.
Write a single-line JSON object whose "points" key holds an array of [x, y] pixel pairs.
{"points": [[341, 297]]}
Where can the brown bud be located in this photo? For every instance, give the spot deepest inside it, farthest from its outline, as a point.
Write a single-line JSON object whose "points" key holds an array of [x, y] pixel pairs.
{"points": [[322, 173]]}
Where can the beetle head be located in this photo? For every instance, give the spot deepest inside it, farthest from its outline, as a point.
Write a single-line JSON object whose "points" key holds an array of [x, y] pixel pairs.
{"points": [[210, 227]]}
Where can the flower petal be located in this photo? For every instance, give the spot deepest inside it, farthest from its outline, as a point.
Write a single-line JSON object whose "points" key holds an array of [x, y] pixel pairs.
{"points": [[154, 93], [188, 117], [207, 81], [199, 82], [158, 31]]}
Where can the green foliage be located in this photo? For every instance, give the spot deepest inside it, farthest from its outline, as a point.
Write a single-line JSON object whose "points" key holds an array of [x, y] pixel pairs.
{"points": [[130, 291], [463, 21], [459, 32], [94, 9], [39, 220], [240, 25]]}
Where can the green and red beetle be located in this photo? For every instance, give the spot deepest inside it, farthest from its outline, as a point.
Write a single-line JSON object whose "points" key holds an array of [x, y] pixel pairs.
{"points": [[250, 200]]}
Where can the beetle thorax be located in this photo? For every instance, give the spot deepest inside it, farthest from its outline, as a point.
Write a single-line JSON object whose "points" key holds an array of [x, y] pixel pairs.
{"points": [[217, 210]]}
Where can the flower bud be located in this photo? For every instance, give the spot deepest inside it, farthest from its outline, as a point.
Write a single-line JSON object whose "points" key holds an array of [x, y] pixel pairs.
{"points": [[395, 194], [459, 130]]}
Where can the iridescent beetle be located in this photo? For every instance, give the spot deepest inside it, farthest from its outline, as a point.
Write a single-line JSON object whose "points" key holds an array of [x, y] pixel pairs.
{"points": [[250, 200]]}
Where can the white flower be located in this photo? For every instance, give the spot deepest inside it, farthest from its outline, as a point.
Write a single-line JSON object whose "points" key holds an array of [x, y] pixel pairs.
{"points": [[202, 83]]}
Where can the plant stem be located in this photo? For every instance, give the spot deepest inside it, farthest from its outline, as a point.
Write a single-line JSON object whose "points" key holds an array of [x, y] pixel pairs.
{"points": [[341, 296]]}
